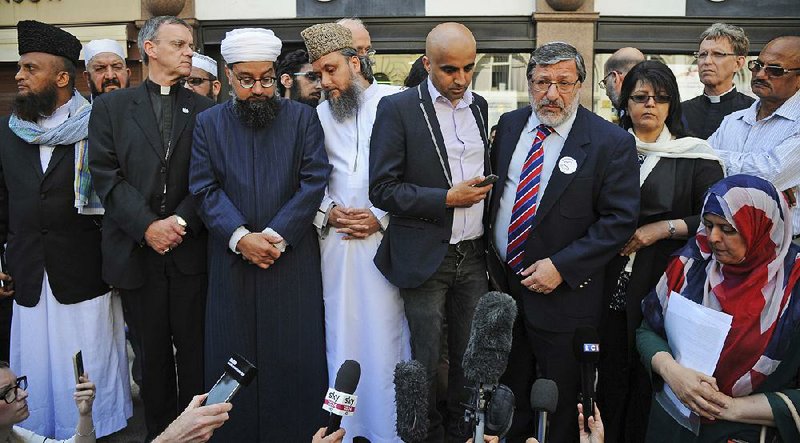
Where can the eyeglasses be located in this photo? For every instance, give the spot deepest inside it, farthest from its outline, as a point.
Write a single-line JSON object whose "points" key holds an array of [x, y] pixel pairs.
{"points": [[602, 83], [716, 56], [247, 82], [563, 87], [311, 76], [197, 81], [756, 66], [642, 98], [10, 394]]}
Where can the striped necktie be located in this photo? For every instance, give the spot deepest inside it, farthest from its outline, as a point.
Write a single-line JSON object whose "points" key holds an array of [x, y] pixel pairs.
{"points": [[526, 199]]}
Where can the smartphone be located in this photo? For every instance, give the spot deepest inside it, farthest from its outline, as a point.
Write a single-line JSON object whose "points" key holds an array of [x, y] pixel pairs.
{"points": [[3, 268], [224, 390], [77, 364], [490, 179]]}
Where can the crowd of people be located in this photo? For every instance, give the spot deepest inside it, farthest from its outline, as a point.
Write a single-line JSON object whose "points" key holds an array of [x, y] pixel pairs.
{"points": [[319, 216]]}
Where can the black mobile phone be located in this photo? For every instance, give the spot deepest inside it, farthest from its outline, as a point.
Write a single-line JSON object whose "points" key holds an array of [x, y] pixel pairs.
{"points": [[77, 364], [2, 268], [238, 372], [490, 179]]}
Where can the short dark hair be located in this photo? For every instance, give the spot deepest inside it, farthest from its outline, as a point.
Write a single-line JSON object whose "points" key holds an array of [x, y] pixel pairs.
{"points": [[554, 52], [150, 28], [660, 77], [363, 60], [417, 74], [289, 64], [71, 70]]}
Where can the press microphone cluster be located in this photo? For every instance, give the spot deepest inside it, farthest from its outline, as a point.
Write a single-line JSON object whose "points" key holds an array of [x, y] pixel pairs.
{"points": [[586, 345], [340, 400], [544, 400], [486, 358], [411, 400]]}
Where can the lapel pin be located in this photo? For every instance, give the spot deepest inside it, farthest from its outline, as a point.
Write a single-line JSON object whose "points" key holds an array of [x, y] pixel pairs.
{"points": [[567, 165], [185, 111]]}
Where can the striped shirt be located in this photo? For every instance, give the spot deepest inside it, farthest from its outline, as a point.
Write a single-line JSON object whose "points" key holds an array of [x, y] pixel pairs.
{"points": [[768, 148]]}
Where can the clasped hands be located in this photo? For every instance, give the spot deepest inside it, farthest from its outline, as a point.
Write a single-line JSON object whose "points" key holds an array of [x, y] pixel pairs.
{"points": [[698, 391], [355, 223], [259, 248], [164, 235]]}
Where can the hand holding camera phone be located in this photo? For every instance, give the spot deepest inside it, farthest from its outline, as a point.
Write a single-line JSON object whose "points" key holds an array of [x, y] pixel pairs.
{"points": [[238, 372], [490, 179]]}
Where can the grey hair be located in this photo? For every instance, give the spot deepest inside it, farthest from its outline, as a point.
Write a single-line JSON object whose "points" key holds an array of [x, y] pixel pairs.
{"points": [[734, 34], [355, 20], [150, 31], [554, 52], [364, 61]]}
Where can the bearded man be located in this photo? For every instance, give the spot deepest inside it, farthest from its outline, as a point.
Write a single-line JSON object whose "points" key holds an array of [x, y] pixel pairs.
{"points": [[258, 174], [203, 79], [50, 223], [351, 230], [297, 79], [567, 200], [106, 70]]}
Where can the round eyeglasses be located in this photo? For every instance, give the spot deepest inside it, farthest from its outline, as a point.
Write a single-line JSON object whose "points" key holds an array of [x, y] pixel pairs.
{"points": [[248, 82]]}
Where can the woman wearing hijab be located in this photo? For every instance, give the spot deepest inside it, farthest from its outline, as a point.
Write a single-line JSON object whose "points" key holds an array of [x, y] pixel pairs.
{"points": [[742, 262]]}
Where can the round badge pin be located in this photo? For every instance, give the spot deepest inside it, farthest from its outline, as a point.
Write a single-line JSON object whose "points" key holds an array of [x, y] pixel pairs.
{"points": [[567, 165]]}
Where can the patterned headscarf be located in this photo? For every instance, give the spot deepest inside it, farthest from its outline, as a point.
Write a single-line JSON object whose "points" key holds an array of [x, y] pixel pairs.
{"points": [[758, 292]]}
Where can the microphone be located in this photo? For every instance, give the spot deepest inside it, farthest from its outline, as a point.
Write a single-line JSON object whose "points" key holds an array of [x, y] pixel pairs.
{"points": [[586, 345], [544, 400], [339, 400], [411, 399], [486, 356]]}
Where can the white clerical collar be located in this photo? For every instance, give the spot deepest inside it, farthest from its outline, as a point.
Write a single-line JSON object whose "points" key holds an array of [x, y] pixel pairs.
{"points": [[718, 98]]}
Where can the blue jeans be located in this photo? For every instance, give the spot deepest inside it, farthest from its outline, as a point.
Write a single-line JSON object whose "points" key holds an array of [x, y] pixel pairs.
{"points": [[453, 290]]}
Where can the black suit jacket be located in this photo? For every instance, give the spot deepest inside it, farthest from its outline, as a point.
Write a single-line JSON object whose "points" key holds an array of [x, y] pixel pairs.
{"points": [[583, 219], [126, 157], [408, 177], [41, 226]]}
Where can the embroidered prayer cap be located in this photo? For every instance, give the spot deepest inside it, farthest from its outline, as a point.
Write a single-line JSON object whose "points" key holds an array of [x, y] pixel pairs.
{"points": [[99, 46], [250, 45], [325, 38], [205, 63], [33, 36]]}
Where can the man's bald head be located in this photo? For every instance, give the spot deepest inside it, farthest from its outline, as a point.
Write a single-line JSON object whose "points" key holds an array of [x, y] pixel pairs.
{"points": [[450, 51], [788, 45], [361, 39], [615, 70], [773, 91], [449, 36]]}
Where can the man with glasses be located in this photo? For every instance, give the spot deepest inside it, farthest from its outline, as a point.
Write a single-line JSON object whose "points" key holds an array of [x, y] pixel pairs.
{"points": [[362, 42], [203, 79], [722, 53], [154, 243], [614, 71], [764, 139], [258, 174], [297, 79], [566, 202]]}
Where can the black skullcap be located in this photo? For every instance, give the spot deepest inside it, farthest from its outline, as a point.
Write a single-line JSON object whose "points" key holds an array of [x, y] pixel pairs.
{"points": [[33, 36]]}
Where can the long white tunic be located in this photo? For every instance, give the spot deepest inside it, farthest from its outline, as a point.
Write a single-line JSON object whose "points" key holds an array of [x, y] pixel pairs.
{"points": [[364, 316]]}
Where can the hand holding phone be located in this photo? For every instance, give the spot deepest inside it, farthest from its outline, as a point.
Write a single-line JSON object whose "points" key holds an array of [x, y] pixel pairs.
{"points": [[77, 365], [490, 179]]}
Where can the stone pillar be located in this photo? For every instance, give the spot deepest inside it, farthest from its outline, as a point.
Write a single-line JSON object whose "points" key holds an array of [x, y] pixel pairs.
{"points": [[574, 23]]}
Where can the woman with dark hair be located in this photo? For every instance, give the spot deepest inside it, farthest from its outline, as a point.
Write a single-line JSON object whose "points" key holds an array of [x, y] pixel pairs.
{"points": [[675, 172]]}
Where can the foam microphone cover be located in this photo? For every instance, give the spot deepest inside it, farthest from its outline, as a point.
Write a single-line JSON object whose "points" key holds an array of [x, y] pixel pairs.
{"points": [[585, 335], [486, 356], [411, 399], [544, 395]]}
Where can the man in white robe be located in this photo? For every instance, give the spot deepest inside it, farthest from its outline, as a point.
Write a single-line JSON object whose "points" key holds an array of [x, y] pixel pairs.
{"points": [[364, 316]]}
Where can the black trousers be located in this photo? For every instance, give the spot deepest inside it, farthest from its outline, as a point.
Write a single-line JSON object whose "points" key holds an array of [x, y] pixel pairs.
{"points": [[169, 310]]}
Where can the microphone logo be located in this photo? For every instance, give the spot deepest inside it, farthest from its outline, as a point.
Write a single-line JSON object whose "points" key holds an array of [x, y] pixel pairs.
{"points": [[340, 403], [591, 347]]}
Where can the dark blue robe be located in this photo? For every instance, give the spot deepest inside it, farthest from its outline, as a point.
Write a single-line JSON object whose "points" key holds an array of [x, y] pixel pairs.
{"points": [[273, 177]]}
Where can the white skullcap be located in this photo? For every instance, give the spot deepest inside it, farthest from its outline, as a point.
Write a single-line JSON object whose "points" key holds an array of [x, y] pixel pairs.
{"points": [[205, 63], [250, 45], [95, 47]]}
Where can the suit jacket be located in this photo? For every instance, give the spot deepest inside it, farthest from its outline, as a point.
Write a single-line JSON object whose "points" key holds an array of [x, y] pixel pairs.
{"points": [[41, 226], [127, 161], [408, 177], [582, 220]]}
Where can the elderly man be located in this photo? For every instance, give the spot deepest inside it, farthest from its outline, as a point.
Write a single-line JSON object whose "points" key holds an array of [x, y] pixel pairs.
{"points": [[50, 225], [429, 148], [763, 139], [614, 71], [722, 53], [362, 42], [567, 200], [258, 175], [351, 230], [105, 67], [154, 243], [203, 79], [297, 79]]}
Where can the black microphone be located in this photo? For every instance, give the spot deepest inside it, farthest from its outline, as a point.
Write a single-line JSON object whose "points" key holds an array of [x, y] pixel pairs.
{"points": [[586, 345], [411, 399], [544, 400], [340, 400], [486, 356]]}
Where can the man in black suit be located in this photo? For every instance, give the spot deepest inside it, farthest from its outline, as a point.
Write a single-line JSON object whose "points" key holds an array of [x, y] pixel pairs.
{"points": [[567, 200], [428, 150], [154, 243]]}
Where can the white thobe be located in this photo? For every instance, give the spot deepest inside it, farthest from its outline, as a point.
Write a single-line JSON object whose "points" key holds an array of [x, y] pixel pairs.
{"points": [[364, 316]]}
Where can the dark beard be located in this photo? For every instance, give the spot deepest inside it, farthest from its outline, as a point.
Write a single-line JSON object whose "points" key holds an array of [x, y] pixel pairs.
{"points": [[346, 104], [294, 93], [31, 106], [257, 114], [112, 81]]}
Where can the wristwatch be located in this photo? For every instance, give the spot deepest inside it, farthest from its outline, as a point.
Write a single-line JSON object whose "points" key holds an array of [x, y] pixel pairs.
{"points": [[671, 228], [181, 222]]}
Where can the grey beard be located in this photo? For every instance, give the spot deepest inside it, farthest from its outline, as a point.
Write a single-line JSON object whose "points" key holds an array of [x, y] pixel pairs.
{"points": [[347, 103], [30, 106], [555, 120], [257, 113]]}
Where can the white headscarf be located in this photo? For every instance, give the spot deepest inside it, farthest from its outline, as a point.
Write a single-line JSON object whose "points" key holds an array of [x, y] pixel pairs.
{"points": [[205, 63], [95, 47], [250, 45]]}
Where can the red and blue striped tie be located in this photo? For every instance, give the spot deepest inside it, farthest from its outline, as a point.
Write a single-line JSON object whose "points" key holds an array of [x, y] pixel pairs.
{"points": [[525, 202]]}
